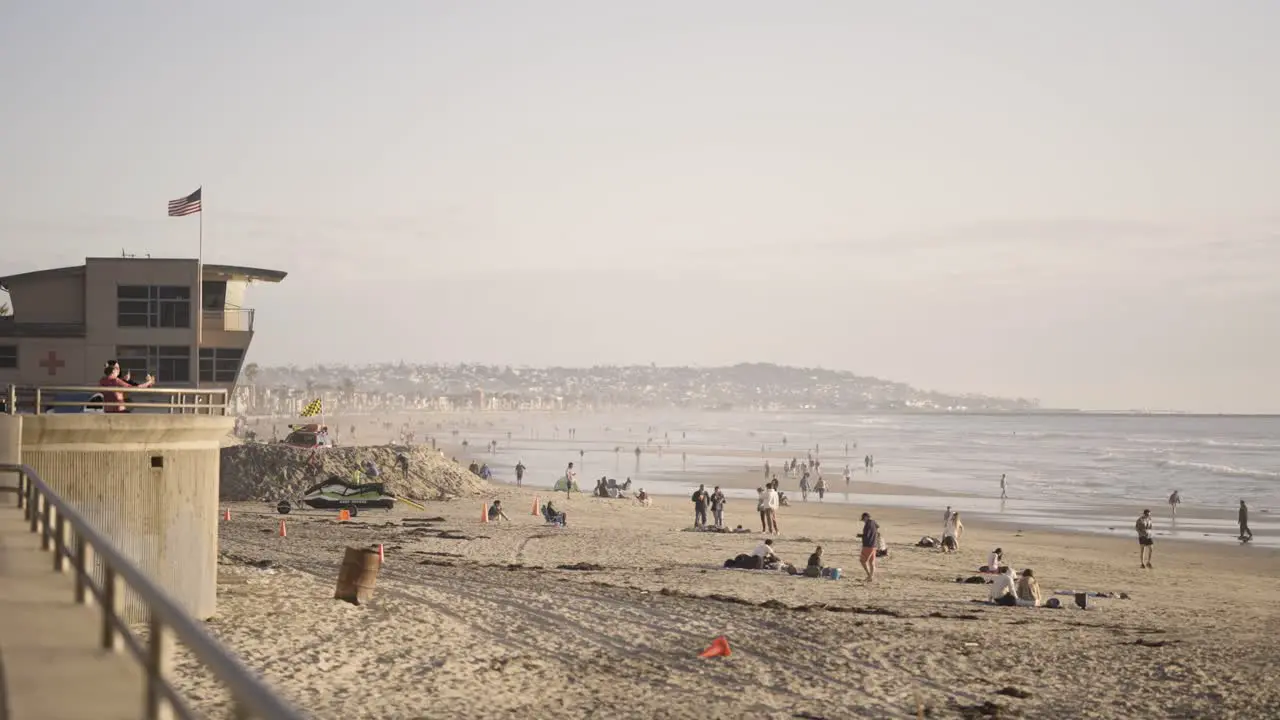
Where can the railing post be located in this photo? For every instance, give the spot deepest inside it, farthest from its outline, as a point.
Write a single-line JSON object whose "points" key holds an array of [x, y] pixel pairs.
{"points": [[12, 405], [61, 535], [159, 667], [46, 535], [34, 515], [38, 403], [112, 600], [22, 491], [84, 570]]}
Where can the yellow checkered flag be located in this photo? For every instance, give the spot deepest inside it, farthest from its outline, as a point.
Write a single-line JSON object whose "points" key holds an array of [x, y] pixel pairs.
{"points": [[312, 409]]}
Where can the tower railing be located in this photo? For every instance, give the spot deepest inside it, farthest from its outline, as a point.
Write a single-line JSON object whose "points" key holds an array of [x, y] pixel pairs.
{"points": [[76, 547], [43, 399]]}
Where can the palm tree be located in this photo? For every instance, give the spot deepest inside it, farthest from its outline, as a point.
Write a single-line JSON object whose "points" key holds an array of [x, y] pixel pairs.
{"points": [[251, 372]]}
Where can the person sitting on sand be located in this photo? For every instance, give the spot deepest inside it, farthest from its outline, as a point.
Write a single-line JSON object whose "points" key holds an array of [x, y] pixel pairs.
{"points": [[1004, 589], [551, 515], [643, 498], [994, 561], [814, 567], [765, 551], [951, 531], [496, 513], [1028, 589]]}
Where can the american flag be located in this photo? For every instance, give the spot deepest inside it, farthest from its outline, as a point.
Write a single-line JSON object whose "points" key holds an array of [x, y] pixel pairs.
{"points": [[189, 205]]}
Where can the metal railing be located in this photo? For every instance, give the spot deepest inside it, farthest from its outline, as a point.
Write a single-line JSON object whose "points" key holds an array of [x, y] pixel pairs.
{"points": [[231, 319], [75, 543], [44, 399]]}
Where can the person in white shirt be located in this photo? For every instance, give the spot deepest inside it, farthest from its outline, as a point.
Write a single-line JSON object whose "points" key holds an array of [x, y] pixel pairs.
{"points": [[764, 550], [570, 477], [771, 509], [994, 561], [1004, 588]]}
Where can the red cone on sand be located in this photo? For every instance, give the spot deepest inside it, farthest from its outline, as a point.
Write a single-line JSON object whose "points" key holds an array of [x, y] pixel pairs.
{"points": [[484, 513], [226, 515], [718, 648], [535, 506], [284, 532]]}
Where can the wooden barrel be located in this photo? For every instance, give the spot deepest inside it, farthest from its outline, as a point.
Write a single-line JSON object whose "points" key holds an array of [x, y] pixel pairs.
{"points": [[358, 575]]}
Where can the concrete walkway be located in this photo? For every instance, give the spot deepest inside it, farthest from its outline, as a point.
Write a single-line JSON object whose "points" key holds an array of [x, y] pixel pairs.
{"points": [[50, 664]]}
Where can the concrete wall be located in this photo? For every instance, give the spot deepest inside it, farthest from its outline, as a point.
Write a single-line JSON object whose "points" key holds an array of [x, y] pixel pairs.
{"points": [[72, 364], [10, 451], [49, 299], [104, 275], [163, 518]]}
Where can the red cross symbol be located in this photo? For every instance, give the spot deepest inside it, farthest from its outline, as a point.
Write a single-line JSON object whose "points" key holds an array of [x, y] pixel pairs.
{"points": [[52, 363]]}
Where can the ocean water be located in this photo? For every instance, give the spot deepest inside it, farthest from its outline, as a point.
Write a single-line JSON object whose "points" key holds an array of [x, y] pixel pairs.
{"points": [[1087, 467]]}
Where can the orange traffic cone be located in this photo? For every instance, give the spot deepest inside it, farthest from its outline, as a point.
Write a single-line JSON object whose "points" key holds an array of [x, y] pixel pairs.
{"points": [[344, 515], [535, 506], [284, 532], [484, 513], [718, 648], [226, 515], [381, 558]]}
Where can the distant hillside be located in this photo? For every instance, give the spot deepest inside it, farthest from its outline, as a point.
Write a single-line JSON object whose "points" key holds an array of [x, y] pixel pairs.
{"points": [[746, 386]]}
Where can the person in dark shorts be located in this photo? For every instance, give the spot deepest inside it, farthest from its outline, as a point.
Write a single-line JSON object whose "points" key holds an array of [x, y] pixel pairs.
{"points": [[1145, 540], [870, 534]]}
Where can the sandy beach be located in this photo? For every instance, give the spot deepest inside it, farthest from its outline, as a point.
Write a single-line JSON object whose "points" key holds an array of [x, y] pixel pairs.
{"points": [[479, 620]]}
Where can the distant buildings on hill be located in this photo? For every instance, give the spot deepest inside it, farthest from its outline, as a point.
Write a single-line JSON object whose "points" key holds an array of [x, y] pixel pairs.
{"points": [[445, 388]]}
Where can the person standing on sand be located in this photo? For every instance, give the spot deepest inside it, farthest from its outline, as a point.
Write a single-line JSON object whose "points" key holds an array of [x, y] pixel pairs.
{"points": [[848, 477], [771, 502], [1004, 488], [1145, 541], [717, 507], [821, 487], [1245, 533], [701, 499], [870, 537], [519, 472], [1174, 501], [569, 478], [761, 498]]}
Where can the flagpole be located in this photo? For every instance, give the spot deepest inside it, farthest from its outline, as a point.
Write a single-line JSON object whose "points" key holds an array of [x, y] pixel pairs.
{"points": [[200, 288]]}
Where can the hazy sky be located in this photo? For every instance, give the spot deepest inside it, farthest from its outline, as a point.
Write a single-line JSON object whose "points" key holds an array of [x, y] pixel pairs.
{"points": [[1077, 201]]}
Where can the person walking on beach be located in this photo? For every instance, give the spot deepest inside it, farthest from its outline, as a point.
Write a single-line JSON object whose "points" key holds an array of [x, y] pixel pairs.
{"points": [[821, 487], [701, 499], [1145, 541], [519, 472], [1004, 488], [1174, 501], [848, 477], [717, 507], [870, 536], [804, 487], [1245, 533]]}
